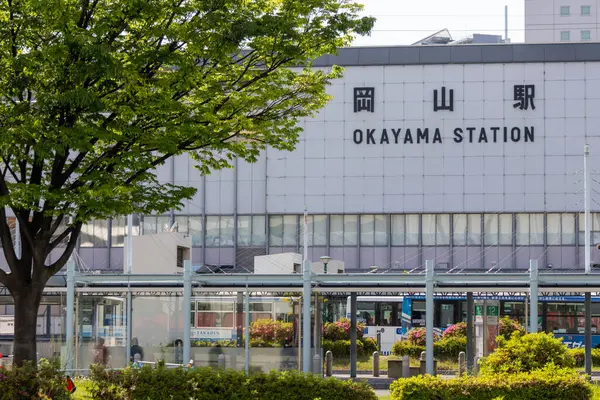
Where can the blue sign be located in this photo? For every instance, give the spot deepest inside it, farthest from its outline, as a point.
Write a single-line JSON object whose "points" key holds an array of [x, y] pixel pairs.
{"points": [[399, 331], [577, 341], [366, 330]]}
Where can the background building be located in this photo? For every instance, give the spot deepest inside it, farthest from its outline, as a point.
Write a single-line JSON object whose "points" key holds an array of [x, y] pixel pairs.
{"points": [[549, 21]]}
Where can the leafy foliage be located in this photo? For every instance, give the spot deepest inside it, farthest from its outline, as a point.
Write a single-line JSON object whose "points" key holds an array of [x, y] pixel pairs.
{"points": [[507, 326], [445, 349], [270, 332], [550, 383], [457, 330], [206, 383], [340, 330], [341, 348], [579, 356], [417, 336], [31, 383], [525, 353]]}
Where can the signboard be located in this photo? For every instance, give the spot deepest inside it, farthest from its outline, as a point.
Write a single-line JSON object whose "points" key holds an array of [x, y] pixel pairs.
{"points": [[492, 314], [479, 313], [577, 341], [212, 333]]}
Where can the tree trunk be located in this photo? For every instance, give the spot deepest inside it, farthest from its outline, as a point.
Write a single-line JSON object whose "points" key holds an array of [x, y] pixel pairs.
{"points": [[27, 302]]}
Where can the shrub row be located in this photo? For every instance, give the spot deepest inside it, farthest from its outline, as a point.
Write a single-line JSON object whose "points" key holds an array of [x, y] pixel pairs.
{"points": [[29, 383], [445, 349], [548, 384], [579, 356], [341, 348], [210, 384]]}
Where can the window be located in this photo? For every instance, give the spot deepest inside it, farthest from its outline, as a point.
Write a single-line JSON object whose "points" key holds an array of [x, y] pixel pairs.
{"points": [[585, 35], [405, 230], [195, 231], [215, 313], [153, 224], [219, 231], [119, 230], [94, 234], [467, 229], [586, 10], [594, 228], [565, 11], [182, 224], [561, 229], [565, 36], [373, 230], [251, 230], [317, 230], [343, 230], [436, 229], [530, 229], [283, 230], [497, 229]]}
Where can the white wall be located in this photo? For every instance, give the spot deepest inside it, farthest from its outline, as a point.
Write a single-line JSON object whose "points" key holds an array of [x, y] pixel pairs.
{"points": [[544, 22]]}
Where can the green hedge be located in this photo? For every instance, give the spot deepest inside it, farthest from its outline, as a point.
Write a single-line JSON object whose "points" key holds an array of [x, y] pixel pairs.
{"points": [[29, 383], [579, 356], [445, 349], [210, 384], [548, 384], [341, 348]]}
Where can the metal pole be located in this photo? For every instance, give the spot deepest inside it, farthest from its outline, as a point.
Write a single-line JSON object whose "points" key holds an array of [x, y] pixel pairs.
{"points": [[307, 267], [588, 333], [429, 316], [533, 293], [586, 205], [353, 352], [128, 316], [470, 352], [505, 24], [70, 314], [247, 332], [129, 243], [187, 308]]}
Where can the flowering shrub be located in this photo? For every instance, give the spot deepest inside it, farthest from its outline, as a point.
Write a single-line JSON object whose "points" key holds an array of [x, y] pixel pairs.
{"points": [[507, 326], [458, 330], [272, 332], [416, 336], [340, 330]]}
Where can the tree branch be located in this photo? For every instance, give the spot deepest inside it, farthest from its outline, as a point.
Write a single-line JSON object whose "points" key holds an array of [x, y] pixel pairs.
{"points": [[8, 247], [60, 238], [53, 268]]}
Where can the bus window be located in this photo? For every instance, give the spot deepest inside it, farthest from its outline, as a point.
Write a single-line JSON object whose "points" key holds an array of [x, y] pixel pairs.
{"points": [[366, 312], [385, 314]]}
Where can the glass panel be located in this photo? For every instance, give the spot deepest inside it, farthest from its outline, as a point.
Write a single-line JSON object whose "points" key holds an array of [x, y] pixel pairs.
{"points": [[490, 226], [212, 231], [428, 224], [385, 314], [336, 228], [568, 229], [595, 228], [149, 224], [459, 236], [290, 230], [86, 238], [585, 35], [566, 35], [506, 233], [244, 227], [442, 229], [182, 224], [536, 229], [366, 312], [259, 235], [412, 230], [585, 10], [565, 10], [350, 230], [319, 230], [163, 223], [118, 232], [474, 229], [522, 229], [195, 230], [101, 233], [226, 231], [367, 230], [398, 230], [276, 230], [381, 230], [554, 230], [581, 217]]}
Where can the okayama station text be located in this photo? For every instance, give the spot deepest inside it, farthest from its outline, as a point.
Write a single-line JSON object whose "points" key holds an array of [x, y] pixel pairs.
{"points": [[460, 135]]}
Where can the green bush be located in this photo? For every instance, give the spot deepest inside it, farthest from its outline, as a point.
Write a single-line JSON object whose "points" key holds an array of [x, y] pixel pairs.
{"points": [[31, 383], [340, 330], [550, 383], [579, 356], [416, 336], [457, 330], [507, 326], [369, 345], [275, 333], [210, 384], [341, 348], [446, 349], [524, 353]]}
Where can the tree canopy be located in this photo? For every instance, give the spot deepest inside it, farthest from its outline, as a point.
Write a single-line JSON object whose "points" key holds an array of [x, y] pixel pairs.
{"points": [[95, 94]]}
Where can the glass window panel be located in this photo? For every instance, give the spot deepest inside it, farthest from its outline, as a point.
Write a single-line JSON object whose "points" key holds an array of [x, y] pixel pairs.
{"points": [[319, 230], [490, 226], [182, 224], [442, 229], [398, 230], [350, 230], [412, 230], [595, 227], [101, 233], [258, 230], [522, 229], [568, 229], [428, 224], [586, 10], [506, 232], [243, 231], [290, 230], [536, 229], [195, 231], [581, 217], [86, 238], [565, 10], [163, 223], [118, 232], [149, 224], [459, 222], [226, 230], [585, 35], [212, 231], [565, 36], [336, 230], [554, 229], [381, 230], [367, 230], [474, 229], [276, 230]]}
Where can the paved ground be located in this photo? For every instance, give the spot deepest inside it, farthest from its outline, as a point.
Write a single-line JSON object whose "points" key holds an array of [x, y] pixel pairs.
{"points": [[382, 393]]}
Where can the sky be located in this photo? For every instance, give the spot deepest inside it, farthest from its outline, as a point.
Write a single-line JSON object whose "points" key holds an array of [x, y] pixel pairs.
{"points": [[403, 22]]}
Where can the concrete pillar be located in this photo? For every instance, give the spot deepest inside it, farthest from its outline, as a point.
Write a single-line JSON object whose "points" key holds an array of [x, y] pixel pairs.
{"points": [[221, 361], [70, 313], [533, 294], [306, 321], [461, 363], [128, 322], [317, 363], [187, 309], [247, 333], [376, 364], [353, 352], [328, 363], [588, 333], [405, 367], [429, 277], [470, 328]]}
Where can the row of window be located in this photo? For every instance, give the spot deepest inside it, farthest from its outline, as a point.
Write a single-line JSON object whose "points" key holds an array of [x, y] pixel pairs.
{"points": [[565, 36], [554, 229], [565, 11]]}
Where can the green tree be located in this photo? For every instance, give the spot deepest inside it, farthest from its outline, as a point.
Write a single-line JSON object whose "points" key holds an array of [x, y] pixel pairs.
{"points": [[96, 94]]}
